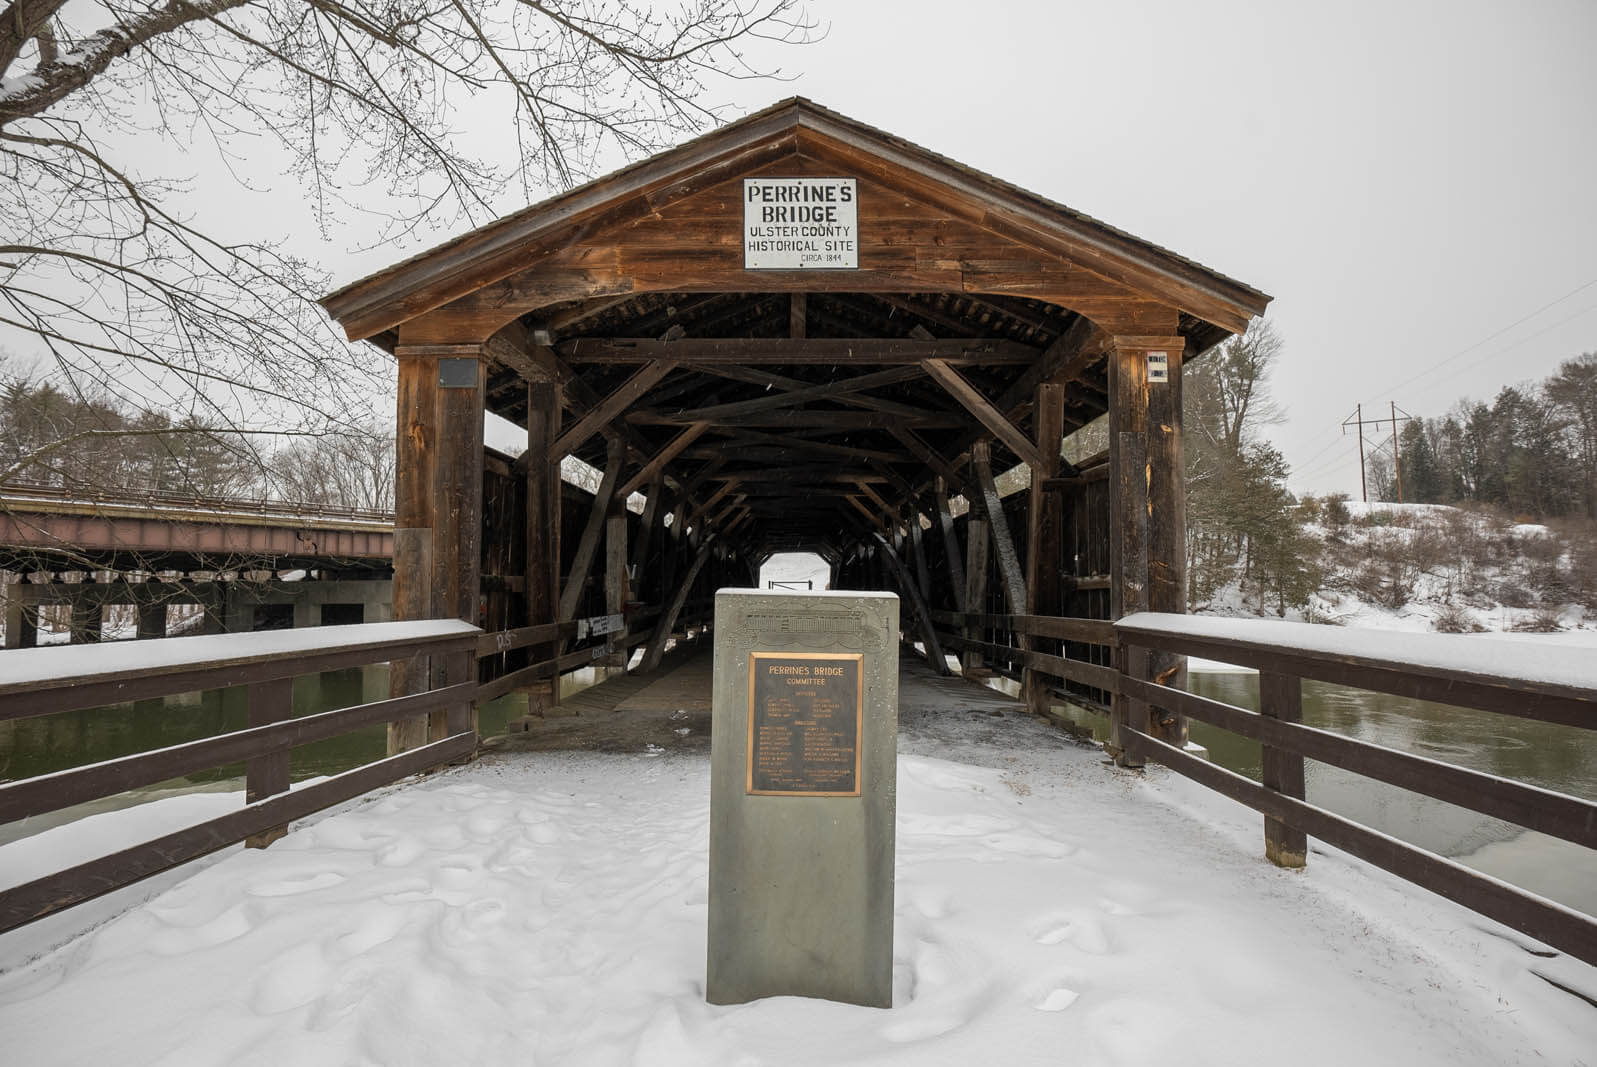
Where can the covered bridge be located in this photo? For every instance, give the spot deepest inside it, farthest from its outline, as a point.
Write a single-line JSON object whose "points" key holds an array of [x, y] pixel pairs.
{"points": [[797, 332]]}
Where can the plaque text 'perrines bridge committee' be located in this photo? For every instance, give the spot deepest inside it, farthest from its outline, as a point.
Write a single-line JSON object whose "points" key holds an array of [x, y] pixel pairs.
{"points": [[805, 712]]}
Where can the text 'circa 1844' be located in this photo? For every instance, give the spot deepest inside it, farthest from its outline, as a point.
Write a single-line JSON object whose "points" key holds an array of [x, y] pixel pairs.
{"points": [[800, 224]]}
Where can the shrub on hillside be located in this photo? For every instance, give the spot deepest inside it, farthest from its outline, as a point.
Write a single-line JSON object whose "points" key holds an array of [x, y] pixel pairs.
{"points": [[1453, 619], [1334, 510], [1543, 622]]}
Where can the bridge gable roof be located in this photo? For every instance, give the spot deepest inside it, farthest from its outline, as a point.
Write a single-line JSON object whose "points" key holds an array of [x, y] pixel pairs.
{"points": [[1014, 217]]}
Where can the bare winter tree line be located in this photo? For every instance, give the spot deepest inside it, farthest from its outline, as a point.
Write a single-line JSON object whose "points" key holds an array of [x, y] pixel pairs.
{"points": [[140, 304], [1531, 454], [91, 445], [1242, 525]]}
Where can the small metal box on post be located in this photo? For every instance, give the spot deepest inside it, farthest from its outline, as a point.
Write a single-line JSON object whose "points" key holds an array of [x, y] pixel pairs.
{"points": [[803, 796]]}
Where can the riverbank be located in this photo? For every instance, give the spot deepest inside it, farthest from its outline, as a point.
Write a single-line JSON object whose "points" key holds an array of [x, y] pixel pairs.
{"points": [[550, 908], [1579, 642]]}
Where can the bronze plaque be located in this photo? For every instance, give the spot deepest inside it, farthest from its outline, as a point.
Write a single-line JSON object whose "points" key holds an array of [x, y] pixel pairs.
{"points": [[805, 712]]}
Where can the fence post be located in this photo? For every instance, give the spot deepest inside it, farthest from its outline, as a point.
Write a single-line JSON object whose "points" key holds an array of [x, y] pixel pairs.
{"points": [[267, 775], [1281, 697], [461, 716], [1130, 591]]}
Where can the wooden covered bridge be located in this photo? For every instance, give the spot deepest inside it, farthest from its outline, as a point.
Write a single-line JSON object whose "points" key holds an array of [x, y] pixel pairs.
{"points": [[801, 333], [796, 333]]}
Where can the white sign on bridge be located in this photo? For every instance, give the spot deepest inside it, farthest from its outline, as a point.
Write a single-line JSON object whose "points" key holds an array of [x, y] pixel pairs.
{"points": [[800, 224]]}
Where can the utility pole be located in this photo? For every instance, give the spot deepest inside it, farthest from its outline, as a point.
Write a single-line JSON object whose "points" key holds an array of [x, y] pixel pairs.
{"points": [[1358, 422], [1397, 453]]}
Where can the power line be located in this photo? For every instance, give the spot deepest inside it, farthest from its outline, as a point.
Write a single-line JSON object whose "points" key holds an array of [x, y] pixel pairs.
{"points": [[1309, 466], [1494, 336]]}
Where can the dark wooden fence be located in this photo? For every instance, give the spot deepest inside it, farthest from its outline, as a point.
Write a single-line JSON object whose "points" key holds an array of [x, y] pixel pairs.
{"points": [[1285, 654], [568, 646], [49, 680], [1073, 653]]}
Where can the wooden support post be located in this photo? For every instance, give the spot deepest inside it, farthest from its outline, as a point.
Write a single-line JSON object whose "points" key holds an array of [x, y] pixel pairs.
{"points": [[668, 617], [415, 445], [542, 576], [588, 546], [1003, 545], [1167, 524], [1281, 697], [437, 508], [1043, 586], [617, 590], [267, 775], [460, 716], [977, 563], [956, 563], [1128, 520], [1130, 537], [457, 505]]}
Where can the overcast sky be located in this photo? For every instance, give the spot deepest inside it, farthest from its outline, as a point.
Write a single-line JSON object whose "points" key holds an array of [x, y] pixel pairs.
{"points": [[1412, 181], [1415, 183]]}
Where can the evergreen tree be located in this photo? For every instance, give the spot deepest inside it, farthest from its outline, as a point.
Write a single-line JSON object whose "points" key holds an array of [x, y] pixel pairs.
{"points": [[1242, 524], [1422, 483], [1573, 394]]}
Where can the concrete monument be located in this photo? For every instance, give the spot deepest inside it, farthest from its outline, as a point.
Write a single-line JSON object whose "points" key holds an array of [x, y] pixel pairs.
{"points": [[803, 796]]}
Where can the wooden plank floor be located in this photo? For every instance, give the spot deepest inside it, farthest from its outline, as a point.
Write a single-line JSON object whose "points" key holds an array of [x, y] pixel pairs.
{"points": [[669, 710]]}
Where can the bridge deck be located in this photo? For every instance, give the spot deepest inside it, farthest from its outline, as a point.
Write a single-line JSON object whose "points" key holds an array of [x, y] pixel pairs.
{"points": [[670, 709], [552, 904]]}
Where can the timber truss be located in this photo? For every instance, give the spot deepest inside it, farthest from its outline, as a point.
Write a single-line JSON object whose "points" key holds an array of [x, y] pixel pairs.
{"points": [[632, 323], [807, 421]]}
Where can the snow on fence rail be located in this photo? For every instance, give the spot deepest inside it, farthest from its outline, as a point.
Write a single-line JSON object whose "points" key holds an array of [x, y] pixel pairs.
{"points": [[1094, 660], [1444, 669], [47, 680]]}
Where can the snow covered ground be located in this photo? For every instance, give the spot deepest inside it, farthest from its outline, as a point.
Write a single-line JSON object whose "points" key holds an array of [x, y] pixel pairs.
{"points": [[551, 909], [1423, 567]]}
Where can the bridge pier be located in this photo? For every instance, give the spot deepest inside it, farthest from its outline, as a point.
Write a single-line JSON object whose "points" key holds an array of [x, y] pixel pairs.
{"points": [[22, 622], [88, 617], [313, 602], [152, 620], [225, 606]]}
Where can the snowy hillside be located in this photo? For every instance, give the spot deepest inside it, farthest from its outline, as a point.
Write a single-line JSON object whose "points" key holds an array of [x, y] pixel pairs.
{"points": [[1430, 567]]}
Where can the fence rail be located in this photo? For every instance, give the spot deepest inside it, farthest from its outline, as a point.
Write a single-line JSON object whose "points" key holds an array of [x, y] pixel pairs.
{"points": [[552, 635], [1440, 668], [1531, 683], [48, 680]]}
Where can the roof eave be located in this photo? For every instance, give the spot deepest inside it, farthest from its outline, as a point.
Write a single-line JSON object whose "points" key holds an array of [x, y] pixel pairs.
{"points": [[443, 268]]}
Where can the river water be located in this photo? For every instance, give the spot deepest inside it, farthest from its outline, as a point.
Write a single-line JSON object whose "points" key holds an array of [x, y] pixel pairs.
{"points": [[1558, 758], [1554, 757], [30, 747]]}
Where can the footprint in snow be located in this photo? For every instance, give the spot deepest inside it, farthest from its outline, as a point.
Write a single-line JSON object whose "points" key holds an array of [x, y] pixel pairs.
{"points": [[1081, 931], [288, 887], [1057, 999], [909, 1030]]}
